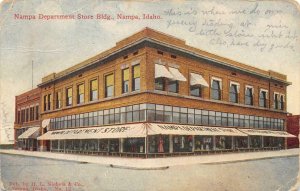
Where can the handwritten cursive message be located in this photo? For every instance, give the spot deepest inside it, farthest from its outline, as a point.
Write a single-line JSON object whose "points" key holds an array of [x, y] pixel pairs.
{"points": [[252, 26]]}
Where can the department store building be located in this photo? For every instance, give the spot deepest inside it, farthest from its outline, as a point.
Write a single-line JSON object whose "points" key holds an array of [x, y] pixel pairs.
{"points": [[153, 95]]}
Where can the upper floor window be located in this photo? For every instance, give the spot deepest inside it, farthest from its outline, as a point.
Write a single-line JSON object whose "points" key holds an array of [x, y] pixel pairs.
{"points": [[161, 74], [136, 80], [31, 114], [69, 96], [93, 90], [173, 86], [19, 117], [37, 113], [196, 84], [45, 102], [276, 100], [196, 91], [249, 95], [109, 85], [27, 115], [125, 80], [58, 100], [233, 92], [49, 101], [160, 84], [281, 102], [22, 115], [216, 88], [80, 93], [263, 98]]}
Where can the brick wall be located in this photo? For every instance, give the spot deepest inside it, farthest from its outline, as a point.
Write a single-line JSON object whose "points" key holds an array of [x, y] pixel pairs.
{"points": [[293, 125]]}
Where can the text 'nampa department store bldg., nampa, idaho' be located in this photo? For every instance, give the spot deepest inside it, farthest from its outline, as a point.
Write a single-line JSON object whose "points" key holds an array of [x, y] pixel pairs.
{"points": [[153, 95]]}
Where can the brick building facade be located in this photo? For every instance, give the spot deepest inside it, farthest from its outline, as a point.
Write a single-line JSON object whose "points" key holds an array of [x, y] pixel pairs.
{"points": [[168, 95], [27, 119]]}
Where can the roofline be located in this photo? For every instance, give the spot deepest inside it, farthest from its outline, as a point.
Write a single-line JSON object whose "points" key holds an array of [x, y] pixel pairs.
{"points": [[151, 40], [222, 63]]}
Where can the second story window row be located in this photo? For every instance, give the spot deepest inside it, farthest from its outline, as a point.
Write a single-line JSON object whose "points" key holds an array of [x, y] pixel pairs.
{"points": [[80, 90], [28, 114], [168, 78]]}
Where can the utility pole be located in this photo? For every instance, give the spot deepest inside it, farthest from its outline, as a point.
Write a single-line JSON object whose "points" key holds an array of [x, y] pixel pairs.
{"points": [[32, 74]]}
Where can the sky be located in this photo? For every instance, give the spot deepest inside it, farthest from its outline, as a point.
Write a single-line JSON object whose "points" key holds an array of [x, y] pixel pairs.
{"points": [[219, 27]]}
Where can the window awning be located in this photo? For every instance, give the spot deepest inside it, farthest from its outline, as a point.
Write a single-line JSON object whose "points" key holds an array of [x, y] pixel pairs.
{"points": [[176, 74], [108, 132], [162, 71], [256, 132], [45, 123], [173, 129], [32, 132], [197, 79]]}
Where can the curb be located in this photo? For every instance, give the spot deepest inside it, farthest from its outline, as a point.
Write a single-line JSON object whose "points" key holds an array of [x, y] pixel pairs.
{"points": [[137, 168]]}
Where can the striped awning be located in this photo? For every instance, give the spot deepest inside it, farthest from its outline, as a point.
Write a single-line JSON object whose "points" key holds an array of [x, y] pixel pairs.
{"points": [[106, 132], [173, 129], [268, 133], [32, 132]]}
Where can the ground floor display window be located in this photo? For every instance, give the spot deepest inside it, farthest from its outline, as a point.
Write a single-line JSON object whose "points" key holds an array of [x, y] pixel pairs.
{"points": [[21, 143], [203, 143], [103, 145], [61, 145], [241, 142], [279, 142], [76, 145], [273, 142], [223, 142], [54, 145], [30, 144], [113, 145], [182, 143], [134, 145], [69, 145], [89, 145], [159, 143], [268, 141], [255, 142]]}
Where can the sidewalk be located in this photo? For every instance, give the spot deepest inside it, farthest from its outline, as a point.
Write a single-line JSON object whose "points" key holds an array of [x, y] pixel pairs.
{"points": [[158, 163]]}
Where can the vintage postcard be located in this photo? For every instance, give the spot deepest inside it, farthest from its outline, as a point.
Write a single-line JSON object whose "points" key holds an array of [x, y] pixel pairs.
{"points": [[149, 95]]}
